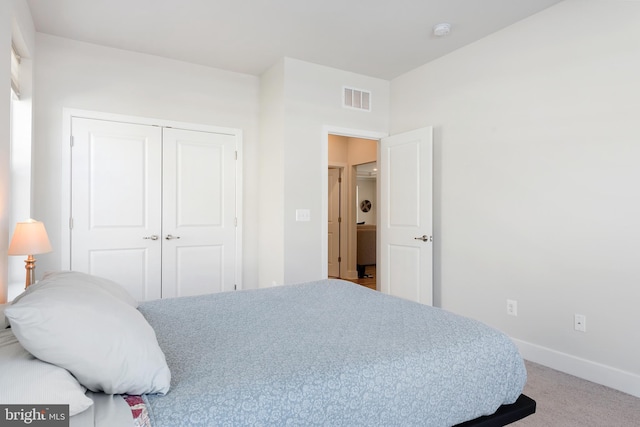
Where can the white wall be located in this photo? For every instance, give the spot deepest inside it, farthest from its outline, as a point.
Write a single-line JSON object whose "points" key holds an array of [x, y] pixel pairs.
{"points": [[536, 177], [70, 74], [271, 171], [313, 101]]}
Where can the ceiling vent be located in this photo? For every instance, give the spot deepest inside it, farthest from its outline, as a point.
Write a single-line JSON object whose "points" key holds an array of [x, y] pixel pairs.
{"points": [[356, 98]]}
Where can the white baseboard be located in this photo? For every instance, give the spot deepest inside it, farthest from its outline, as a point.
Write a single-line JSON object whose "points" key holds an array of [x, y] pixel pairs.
{"points": [[615, 378]]}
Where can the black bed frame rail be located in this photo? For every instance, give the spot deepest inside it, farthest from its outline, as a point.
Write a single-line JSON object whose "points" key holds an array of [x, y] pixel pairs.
{"points": [[506, 414]]}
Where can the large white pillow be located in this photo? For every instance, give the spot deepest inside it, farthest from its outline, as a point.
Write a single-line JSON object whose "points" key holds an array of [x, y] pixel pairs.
{"points": [[76, 279], [27, 380], [104, 342]]}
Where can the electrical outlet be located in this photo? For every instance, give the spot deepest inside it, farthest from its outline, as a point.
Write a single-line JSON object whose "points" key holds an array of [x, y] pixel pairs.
{"points": [[512, 307], [580, 322]]}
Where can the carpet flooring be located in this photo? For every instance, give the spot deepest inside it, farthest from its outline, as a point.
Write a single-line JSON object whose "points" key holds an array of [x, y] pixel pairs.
{"points": [[567, 401]]}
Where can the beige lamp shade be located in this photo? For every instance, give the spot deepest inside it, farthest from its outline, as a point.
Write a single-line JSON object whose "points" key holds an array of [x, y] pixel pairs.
{"points": [[29, 238]]}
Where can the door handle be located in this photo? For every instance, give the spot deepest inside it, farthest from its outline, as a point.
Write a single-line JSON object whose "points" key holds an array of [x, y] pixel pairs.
{"points": [[152, 237], [170, 237], [424, 238]]}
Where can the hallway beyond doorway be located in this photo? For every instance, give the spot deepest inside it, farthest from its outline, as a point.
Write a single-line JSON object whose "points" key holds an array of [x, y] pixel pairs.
{"points": [[369, 280]]}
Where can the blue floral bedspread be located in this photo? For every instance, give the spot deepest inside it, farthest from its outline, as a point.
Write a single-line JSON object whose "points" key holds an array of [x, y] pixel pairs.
{"points": [[327, 353]]}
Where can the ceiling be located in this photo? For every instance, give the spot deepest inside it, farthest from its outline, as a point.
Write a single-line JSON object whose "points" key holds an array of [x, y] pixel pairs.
{"points": [[378, 38]]}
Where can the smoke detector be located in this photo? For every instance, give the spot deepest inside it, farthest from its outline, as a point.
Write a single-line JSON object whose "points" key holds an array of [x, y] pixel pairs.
{"points": [[441, 30]]}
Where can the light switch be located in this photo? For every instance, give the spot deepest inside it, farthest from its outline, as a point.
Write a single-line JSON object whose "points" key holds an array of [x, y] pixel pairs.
{"points": [[303, 215]]}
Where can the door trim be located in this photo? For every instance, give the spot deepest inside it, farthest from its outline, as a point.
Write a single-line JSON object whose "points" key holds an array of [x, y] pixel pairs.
{"points": [[324, 165], [65, 215]]}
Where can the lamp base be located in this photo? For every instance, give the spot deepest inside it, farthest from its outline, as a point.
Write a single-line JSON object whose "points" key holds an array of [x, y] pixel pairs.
{"points": [[30, 266]]}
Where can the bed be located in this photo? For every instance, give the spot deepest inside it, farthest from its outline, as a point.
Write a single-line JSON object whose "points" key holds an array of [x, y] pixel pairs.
{"points": [[328, 353]]}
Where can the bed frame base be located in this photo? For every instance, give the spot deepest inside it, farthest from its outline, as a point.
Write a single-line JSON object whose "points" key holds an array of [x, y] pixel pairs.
{"points": [[506, 414]]}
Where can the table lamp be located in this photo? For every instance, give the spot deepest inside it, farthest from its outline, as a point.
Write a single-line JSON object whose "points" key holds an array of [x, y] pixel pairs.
{"points": [[29, 238]]}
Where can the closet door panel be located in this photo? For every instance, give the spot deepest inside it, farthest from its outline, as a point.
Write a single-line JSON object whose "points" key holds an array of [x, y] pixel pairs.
{"points": [[199, 212], [116, 203], [199, 270], [126, 266]]}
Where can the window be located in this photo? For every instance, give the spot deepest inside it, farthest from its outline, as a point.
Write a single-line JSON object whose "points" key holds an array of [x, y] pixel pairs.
{"points": [[20, 158], [15, 72]]}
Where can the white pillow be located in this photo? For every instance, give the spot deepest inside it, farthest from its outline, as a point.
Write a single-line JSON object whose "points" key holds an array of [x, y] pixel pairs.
{"points": [[27, 380], [76, 279], [105, 343]]}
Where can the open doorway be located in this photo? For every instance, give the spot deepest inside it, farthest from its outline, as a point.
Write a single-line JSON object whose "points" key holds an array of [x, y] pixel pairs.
{"points": [[404, 258], [348, 158]]}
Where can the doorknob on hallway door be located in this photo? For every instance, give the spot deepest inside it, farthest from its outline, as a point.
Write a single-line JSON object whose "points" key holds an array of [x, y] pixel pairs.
{"points": [[153, 237], [424, 238], [170, 237]]}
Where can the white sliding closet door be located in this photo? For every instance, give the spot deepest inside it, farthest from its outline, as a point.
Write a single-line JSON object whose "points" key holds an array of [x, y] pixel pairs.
{"points": [[154, 208]]}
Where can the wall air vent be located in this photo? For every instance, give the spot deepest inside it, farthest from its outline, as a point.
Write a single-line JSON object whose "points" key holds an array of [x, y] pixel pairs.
{"points": [[357, 99]]}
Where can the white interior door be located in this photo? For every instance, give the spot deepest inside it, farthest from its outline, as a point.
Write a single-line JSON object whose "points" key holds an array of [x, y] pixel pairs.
{"points": [[406, 256], [334, 223], [199, 213], [116, 203]]}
